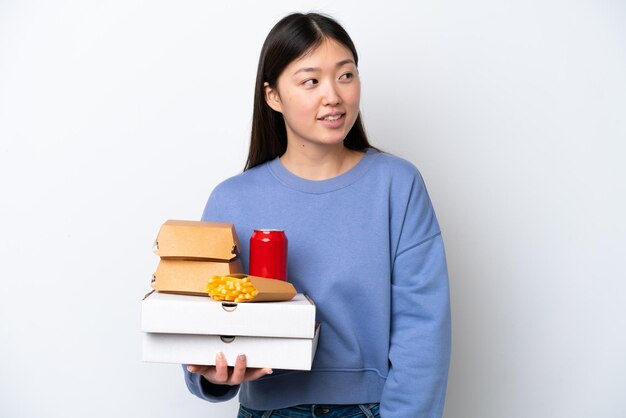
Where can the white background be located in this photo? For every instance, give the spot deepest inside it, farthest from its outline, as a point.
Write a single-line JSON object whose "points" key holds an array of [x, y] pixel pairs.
{"points": [[118, 115]]}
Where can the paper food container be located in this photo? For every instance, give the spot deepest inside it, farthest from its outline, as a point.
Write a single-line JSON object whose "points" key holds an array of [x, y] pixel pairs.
{"points": [[191, 277], [197, 240], [184, 314], [187, 329], [275, 353], [270, 290]]}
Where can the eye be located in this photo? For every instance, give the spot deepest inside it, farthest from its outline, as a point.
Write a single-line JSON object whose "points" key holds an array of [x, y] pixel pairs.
{"points": [[310, 82], [346, 76]]}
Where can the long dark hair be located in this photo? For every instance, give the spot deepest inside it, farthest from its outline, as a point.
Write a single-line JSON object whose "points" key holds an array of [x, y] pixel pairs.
{"points": [[289, 39]]}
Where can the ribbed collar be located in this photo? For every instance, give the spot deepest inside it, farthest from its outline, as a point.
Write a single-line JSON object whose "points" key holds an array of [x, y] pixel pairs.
{"points": [[290, 180]]}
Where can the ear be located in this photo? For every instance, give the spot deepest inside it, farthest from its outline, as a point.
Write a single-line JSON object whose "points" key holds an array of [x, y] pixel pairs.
{"points": [[272, 98]]}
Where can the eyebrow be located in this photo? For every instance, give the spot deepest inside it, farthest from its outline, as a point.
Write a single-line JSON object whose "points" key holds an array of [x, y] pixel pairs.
{"points": [[313, 69]]}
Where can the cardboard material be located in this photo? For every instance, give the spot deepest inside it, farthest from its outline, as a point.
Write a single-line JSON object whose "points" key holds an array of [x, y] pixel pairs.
{"points": [[277, 353], [181, 314], [191, 277], [197, 240], [269, 289]]}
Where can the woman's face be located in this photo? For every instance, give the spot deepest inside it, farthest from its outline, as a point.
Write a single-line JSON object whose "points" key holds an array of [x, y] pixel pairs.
{"points": [[318, 95]]}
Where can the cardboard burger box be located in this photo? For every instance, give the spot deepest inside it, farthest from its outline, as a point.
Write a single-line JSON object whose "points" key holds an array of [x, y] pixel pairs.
{"points": [[193, 251], [197, 240], [187, 329], [190, 277]]}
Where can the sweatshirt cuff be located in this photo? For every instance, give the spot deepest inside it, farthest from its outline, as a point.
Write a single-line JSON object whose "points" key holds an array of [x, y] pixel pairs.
{"points": [[221, 392], [206, 390]]}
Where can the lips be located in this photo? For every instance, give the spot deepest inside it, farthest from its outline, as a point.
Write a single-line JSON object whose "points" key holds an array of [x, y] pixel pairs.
{"points": [[331, 117], [335, 120]]}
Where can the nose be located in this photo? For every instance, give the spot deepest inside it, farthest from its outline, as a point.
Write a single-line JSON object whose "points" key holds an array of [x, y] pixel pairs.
{"points": [[331, 95]]}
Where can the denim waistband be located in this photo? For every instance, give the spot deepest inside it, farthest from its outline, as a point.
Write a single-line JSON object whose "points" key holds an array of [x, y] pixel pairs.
{"points": [[314, 411]]}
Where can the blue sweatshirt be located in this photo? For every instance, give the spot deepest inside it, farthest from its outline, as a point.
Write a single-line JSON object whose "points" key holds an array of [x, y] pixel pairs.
{"points": [[366, 247]]}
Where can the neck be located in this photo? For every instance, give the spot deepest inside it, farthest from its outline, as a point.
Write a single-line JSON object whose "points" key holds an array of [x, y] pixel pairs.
{"points": [[319, 163]]}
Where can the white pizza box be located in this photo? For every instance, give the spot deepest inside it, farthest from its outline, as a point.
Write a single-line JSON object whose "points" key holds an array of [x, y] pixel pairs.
{"points": [[271, 352], [186, 314]]}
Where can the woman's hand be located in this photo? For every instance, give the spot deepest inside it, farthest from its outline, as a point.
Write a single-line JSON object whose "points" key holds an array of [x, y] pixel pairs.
{"points": [[221, 374]]}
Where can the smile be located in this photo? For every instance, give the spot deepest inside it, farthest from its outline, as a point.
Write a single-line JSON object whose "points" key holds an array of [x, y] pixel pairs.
{"points": [[332, 117]]}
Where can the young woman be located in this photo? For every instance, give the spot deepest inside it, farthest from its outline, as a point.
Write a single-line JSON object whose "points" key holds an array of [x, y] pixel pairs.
{"points": [[364, 242]]}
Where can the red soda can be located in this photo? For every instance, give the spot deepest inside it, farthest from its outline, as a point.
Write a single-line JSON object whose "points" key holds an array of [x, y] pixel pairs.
{"points": [[268, 254]]}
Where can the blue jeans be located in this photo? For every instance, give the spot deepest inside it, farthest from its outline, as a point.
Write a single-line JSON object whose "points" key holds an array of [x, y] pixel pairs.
{"points": [[313, 411]]}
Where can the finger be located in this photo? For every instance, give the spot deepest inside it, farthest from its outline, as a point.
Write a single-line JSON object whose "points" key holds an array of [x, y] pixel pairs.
{"points": [[240, 370], [221, 369], [194, 368], [253, 374]]}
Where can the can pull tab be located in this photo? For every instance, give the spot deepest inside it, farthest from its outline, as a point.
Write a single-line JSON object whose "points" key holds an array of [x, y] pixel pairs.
{"points": [[229, 307], [227, 339]]}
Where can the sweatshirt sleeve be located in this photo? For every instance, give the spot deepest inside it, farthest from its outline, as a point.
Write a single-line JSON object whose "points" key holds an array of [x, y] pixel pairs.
{"points": [[211, 209], [203, 389], [196, 384], [419, 353]]}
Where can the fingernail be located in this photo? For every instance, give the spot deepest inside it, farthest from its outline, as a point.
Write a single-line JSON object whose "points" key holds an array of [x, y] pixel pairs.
{"points": [[269, 371], [220, 356], [189, 369], [241, 357]]}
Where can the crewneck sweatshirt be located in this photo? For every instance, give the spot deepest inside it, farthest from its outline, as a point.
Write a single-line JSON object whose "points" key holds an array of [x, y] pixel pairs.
{"points": [[367, 248]]}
